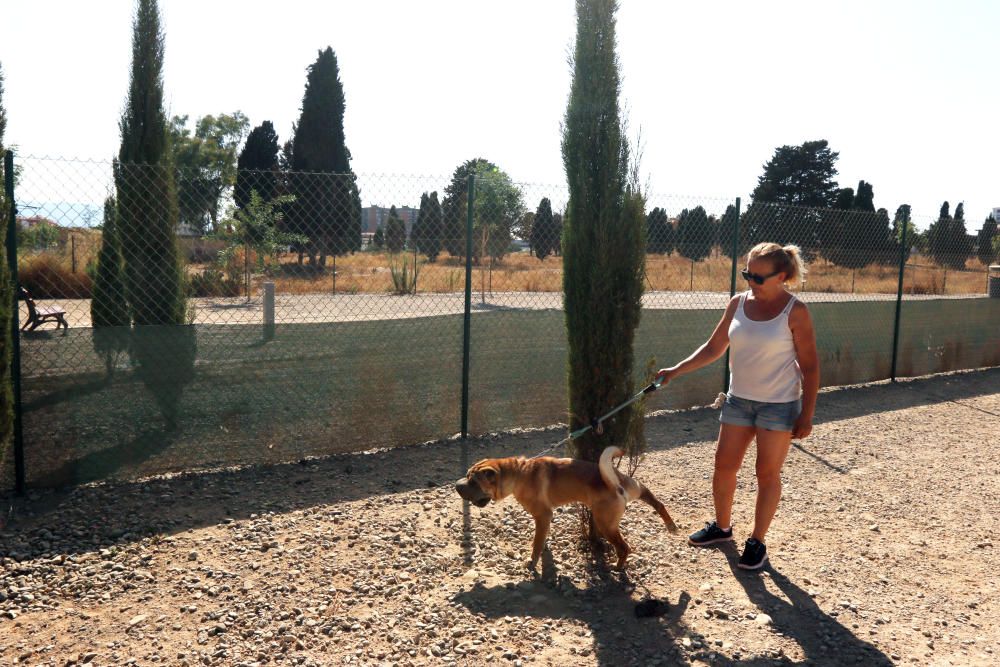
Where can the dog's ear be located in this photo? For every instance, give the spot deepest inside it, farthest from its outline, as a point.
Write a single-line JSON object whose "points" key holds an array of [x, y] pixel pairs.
{"points": [[490, 474]]}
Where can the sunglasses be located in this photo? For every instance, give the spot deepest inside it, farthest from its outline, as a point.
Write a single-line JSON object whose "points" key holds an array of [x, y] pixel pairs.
{"points": [[757, 278]]}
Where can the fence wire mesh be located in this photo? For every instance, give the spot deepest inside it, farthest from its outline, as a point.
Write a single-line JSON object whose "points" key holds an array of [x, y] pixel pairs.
{"points": [[174, 355]]}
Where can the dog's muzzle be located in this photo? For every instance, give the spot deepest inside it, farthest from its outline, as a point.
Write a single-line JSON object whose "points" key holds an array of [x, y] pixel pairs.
{"points": [[471, 491]]}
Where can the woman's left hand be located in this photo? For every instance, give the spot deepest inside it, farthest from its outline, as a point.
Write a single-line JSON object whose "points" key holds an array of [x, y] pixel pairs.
{"points": [[803, 427]]}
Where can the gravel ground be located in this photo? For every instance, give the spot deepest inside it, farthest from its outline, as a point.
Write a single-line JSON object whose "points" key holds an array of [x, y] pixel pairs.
{"points": [[882, 553]]}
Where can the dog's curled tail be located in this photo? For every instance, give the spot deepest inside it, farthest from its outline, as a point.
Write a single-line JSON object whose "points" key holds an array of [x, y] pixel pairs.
{"points": [[621, 484]]}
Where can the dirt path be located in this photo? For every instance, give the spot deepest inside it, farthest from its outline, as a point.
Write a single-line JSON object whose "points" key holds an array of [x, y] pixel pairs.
{"points": [[882, 553]]}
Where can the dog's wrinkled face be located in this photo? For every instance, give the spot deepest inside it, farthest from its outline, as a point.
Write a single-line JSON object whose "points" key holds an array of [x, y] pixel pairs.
{"points": [[480, 485]]}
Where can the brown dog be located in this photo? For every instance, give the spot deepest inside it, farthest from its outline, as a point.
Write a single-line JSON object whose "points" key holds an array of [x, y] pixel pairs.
{"points": [[543, 483]]}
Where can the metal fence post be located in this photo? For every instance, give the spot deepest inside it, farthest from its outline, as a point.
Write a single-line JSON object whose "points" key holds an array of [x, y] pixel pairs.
{"points": [[15, 366], [467, 326], [268, 311], [732, 287], [899, 295]]}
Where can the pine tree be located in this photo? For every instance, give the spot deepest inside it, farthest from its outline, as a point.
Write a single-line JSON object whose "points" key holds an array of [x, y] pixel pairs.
{"points": [[984, 241], [147, 201], [109, 313], [327, 207], [395, 232], [659, 233], [695, 234], [543, 231], [603, 241], [257, 166]]}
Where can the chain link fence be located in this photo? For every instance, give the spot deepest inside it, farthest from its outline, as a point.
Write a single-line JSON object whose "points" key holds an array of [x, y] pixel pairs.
{"points": [[294, 315]]}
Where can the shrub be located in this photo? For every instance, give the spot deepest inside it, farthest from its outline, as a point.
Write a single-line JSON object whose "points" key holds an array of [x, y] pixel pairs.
{"points": [[48, 277], [212, 282]]}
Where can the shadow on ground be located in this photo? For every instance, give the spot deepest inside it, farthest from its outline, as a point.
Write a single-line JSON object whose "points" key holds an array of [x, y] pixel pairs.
{"points": [[175, 503]]}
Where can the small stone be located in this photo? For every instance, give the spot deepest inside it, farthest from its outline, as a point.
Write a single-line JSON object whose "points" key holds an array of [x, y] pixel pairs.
{"points": [[762, 619]]}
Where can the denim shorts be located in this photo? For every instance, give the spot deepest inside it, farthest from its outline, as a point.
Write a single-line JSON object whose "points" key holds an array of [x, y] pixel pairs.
{"points": [[772, 416]]}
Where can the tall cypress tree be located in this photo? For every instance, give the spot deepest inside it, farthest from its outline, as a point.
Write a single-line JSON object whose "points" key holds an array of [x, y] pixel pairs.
{"points": [[543, 230], [109, 313], [327, 208], [147, 201], [984, 241], [6, 307], [659, 232], [427, 229], [395, 232], [947, 240], [864, 200], [257, 166], [603, 242], [147, 221], [695, 234]]}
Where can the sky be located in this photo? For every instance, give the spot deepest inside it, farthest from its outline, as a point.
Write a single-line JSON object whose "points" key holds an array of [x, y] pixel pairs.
{"points": [[903, 90]]}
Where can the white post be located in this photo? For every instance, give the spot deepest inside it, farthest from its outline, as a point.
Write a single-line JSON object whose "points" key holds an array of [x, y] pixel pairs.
{"points": [[268, 311]]}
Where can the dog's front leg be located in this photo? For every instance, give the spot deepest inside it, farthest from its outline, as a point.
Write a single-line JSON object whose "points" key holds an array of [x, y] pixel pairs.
{"points": [[543, 520]]}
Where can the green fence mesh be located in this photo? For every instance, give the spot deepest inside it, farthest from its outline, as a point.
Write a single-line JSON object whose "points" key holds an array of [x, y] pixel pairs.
{"points": [[175, 358]]}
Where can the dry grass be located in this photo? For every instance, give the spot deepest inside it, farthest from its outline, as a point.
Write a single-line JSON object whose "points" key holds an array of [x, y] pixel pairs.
{"points": [[368, 272], [50, 274]]}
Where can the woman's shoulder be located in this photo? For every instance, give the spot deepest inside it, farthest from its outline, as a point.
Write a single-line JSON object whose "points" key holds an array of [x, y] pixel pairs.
{"points": [[799, 311]]}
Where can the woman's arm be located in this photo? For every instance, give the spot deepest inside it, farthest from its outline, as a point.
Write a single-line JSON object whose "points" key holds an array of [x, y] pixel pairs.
{"points": [[709, 351], [804, 337]]}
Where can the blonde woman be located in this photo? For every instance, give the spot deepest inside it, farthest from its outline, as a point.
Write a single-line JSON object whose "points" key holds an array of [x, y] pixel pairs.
{"points": [[774, 379]]}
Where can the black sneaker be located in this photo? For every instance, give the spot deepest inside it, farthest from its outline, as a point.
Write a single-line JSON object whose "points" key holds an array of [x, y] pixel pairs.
{"points": [[754, 555], [710, 534]]}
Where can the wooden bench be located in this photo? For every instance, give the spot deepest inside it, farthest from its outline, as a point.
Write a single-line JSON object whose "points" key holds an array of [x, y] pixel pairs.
{"points": [[38, 315]]}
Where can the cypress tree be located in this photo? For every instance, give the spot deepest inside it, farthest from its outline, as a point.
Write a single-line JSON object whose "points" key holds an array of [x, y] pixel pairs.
{"points": [[6, 311], [109, 313], [947, 240], [659, 232], [864, 200], [146, 222], [395, 232], [695, 234], [543, 230], [984, 241], [603, 242], [727, 229], [257, 166], [147, 201], [858, 236], [327, 206], [426, 232]]}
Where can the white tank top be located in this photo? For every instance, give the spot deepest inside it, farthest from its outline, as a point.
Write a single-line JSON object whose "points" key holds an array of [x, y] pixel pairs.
{"points": [[762, 361]]}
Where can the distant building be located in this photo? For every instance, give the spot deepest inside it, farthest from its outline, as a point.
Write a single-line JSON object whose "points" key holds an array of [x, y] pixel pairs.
{"points": [[374, 218], [996, 213], [33, 221]]}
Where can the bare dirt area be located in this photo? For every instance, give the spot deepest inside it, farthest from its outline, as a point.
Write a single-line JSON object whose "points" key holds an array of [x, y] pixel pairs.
{"points": [[883, 552]]}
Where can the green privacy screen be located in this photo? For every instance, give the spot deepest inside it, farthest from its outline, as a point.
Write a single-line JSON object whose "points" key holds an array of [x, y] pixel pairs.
{"points": [[318, 389]]}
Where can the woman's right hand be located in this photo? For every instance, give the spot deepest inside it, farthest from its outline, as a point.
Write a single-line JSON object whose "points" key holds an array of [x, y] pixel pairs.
{"points": [[664, 376]]}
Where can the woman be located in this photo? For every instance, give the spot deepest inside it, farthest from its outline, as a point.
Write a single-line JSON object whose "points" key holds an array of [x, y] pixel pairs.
{"points": [[774, 379]]}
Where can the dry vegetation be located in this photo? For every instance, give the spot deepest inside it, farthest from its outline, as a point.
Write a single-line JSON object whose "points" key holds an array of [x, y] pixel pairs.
{"points": [[51, 273]]}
